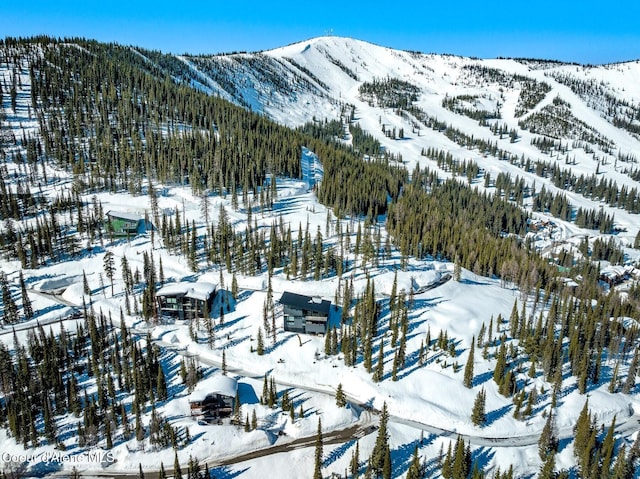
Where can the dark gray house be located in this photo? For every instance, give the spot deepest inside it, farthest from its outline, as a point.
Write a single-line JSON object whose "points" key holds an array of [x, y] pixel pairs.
{"points": [[186, 300], [305, 314]]}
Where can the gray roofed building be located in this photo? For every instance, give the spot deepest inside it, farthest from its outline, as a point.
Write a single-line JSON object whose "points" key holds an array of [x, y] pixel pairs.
{"points": [[305, 314]]}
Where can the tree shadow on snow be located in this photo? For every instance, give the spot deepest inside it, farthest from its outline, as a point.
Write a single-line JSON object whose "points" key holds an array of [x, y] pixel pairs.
{"points": [[337, 453], [493, 416], [225, 473], [482, 378], [402, 456], [482, 457]]}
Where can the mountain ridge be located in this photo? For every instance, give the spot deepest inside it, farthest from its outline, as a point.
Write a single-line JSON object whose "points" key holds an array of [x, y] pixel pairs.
{"points": [[318, 78]]}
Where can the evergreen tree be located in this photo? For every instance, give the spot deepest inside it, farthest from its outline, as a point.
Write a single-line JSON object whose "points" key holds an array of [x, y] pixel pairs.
{"points": [[317, 468], [27, 308], [468, 369], [341, 400], [85, 284], [630, 382], [354, 464], [623, 469], [461, 464], [447, 464], [234, 287], [260, 346], [501, 365], [386, 465], [109, 267], [582, 430], [254, 420], [177, 472], [10, 308], [606, 451], [415, 468], [478, 414], [378, 374], [381, 447], [547, 470], [547, 442], [161, 388]]}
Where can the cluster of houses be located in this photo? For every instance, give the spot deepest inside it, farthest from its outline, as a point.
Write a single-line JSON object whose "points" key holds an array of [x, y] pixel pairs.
{"points": [[213, 399], [618, 274], [190, 300]]}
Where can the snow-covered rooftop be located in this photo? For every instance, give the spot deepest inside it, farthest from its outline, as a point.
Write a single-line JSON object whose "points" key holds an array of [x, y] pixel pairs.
{"points": [[123, 215], [200, 290], [217, 384]]}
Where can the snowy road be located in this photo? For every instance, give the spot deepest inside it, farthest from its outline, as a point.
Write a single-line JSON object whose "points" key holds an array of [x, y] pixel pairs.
{"points": [[366, 424], [625, 426]]}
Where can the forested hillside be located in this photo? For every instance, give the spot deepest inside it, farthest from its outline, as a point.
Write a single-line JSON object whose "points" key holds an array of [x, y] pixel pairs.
{"points": [[490, 179]]}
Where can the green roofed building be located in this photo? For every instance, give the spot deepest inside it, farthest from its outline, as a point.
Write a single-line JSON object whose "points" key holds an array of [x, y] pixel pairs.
{"points": [[126, 224]]}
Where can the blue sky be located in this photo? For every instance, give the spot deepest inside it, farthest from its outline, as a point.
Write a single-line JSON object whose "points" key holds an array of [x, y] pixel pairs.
{"points": [[585, 32]]}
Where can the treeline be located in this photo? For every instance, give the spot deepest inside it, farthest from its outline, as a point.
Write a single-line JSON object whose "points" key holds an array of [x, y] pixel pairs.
{"points": [[516, 189], [119, 124], [52, 375], [591, 187], [532, 92], [476, 230], [389, 93], [458, 104], [597, 95], [556, 120]]}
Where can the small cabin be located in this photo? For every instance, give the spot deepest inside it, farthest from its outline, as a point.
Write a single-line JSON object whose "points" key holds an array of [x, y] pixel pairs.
{"points": [[305, 314], [213, 398], [186, 300], [125, 224]]}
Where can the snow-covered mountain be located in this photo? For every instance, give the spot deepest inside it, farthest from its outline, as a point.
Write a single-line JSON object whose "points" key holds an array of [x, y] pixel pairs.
{"points": [[512, 128], [314, 78], [582, 119]]}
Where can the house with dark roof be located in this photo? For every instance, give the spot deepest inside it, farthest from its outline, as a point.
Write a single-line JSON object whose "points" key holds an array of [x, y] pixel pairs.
{"points": [[305, 314], [186, 300]]}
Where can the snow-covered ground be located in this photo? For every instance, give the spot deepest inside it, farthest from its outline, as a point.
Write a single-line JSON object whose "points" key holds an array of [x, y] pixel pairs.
{"points": [[424, 400], [429, 405]]}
